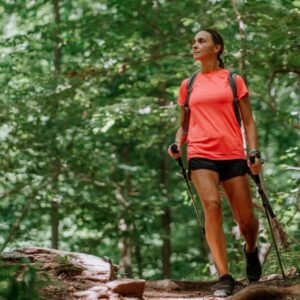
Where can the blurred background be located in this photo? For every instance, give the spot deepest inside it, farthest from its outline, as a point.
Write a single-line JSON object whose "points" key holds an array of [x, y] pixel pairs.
{"points": [[88, 109]]}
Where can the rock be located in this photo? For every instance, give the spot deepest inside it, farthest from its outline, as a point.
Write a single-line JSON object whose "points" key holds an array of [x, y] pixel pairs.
{"points": [[127, 287]]}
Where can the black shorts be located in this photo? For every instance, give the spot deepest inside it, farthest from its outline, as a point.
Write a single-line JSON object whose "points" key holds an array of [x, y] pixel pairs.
{"points": [[225, 168]]}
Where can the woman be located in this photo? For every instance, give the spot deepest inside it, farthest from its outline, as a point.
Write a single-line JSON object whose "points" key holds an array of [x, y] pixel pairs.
{"points": [[216, 155]]}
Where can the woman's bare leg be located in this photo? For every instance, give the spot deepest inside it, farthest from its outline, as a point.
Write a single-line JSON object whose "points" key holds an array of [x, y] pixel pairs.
{"points": [[238, 192], [206, 183]]}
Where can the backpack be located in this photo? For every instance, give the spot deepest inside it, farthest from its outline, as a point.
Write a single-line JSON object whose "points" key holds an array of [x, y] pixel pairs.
{"points": [[235, 103]]}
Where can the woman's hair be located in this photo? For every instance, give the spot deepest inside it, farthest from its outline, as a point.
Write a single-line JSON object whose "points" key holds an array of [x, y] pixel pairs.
{"points": [[218, 40]]}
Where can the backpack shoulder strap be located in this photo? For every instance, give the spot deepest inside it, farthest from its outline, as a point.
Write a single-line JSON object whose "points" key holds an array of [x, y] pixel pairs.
{"points": [[190, 84], [232, 81], [190, 88]]}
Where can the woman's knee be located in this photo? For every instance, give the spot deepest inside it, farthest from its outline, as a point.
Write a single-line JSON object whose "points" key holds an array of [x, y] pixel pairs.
{"points": [[212, 208], [248, 224]]}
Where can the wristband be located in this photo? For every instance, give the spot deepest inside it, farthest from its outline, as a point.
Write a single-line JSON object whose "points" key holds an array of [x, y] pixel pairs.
{"points": [[255, 153]]}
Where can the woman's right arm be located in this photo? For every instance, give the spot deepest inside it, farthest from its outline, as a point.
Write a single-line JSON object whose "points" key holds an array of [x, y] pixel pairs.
{"points": [[180, 137]]}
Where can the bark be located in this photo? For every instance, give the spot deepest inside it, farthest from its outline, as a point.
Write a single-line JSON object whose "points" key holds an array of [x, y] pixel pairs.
{"points": [[125, 227], [54, 223], [56, 162], [166, 249], [166, 216], [138, 254], [56, 38], [62, 263], [166, 223], [125, 249]]}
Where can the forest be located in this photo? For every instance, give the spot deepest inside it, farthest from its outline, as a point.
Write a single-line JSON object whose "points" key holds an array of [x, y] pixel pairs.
{"points": [[89, 107]]}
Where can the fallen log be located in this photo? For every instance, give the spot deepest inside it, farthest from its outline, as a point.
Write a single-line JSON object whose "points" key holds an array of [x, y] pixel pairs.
{"points": [[61, 263], [77, 276]]}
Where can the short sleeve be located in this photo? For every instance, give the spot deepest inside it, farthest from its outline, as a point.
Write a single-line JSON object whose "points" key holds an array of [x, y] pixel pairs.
{"points": [[182, 93], [242, 90]]}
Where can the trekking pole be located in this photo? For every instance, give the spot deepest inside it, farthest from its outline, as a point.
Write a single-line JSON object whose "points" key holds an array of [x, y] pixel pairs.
{"points": [[174, 149], [268, 211]]}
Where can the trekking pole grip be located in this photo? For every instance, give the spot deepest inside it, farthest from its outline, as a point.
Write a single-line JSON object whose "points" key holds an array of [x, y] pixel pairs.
{"points": [[174, 148], [255, 177], [252, 159]]}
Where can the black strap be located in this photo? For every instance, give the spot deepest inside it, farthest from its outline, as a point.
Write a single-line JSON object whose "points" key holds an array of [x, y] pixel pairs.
{"points": [[186, 103], [232, 81]]}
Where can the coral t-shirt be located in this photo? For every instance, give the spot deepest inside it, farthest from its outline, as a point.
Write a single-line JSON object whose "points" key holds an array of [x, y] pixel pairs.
{"points": [[214, 132]]}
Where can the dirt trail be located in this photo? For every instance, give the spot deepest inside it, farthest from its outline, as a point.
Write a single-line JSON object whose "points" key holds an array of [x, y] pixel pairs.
{"points": [[86, 277]]}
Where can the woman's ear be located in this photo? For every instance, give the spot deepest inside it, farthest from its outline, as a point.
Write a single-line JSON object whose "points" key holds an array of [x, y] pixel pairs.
{"points": [[217, 48]]}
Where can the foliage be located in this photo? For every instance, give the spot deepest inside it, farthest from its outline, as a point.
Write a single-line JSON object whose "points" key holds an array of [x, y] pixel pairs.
{"points": [[91, 130], [19, 282]]}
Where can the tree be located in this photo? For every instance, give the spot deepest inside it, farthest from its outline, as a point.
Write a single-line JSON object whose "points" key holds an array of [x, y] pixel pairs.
{"points": [[89, 125]]}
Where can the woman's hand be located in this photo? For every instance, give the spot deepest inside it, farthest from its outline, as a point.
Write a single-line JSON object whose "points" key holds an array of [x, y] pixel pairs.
{"points": [[255, 167], [255, 162], [174, 151]]}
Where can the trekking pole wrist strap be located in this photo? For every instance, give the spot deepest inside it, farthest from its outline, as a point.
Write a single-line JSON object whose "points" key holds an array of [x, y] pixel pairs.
{"points": [[255, 153]]}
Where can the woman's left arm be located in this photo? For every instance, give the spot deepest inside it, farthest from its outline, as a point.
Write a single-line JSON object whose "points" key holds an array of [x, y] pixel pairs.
{"points": [[251, 133]]}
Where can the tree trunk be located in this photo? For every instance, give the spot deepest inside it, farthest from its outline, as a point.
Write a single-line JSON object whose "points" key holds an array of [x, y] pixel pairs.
{"points": [[138, 254], [125, 248], [56, 38], [166, 216], [125, 228], [166, 250], [166, 221], [56, 162], [54, 223]]}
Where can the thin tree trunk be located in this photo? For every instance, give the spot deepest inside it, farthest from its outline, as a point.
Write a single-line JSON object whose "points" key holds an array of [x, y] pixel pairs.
{"points": [[125, 228], [138, 255], [56, 163], [166, 216], [125, 249], [166, 250], [56, 37], [54, 223], [166, 223]]}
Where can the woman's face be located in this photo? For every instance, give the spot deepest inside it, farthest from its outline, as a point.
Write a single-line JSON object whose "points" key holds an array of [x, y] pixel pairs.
{"points": [[204, 48]]}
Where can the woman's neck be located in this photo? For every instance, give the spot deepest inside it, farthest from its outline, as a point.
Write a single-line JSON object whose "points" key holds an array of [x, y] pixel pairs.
{"points": [[210, 66]]}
